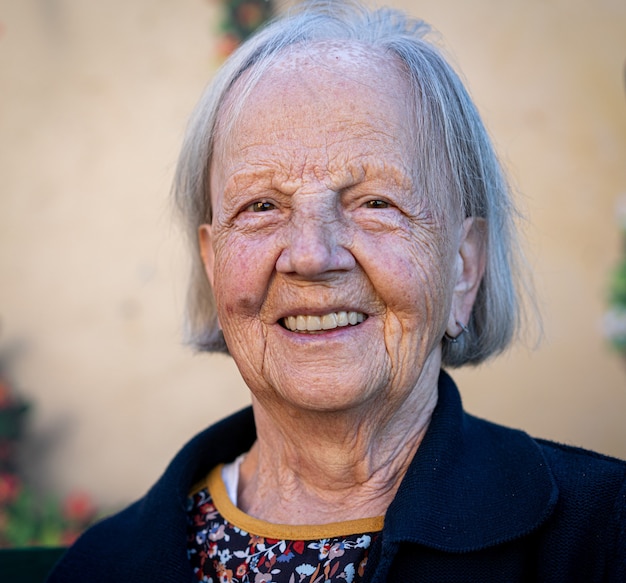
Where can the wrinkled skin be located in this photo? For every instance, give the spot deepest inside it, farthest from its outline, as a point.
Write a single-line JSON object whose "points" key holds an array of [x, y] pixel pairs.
{"points": [[315, 210]]}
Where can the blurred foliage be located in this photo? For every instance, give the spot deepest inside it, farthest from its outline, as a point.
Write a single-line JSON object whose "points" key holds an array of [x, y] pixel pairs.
{"points": [[240, 19], [617, 291], [615, 317], [28, 518]]}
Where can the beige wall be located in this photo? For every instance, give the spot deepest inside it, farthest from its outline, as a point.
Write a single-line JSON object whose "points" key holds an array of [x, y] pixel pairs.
{"points": [[93, 101]]}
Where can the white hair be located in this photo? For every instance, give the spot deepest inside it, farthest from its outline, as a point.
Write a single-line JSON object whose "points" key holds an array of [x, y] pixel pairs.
{"points": [[454, 158]]}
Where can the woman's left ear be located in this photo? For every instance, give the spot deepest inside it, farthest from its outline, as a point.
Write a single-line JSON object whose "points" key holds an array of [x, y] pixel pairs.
{"points": [[471, 260]]}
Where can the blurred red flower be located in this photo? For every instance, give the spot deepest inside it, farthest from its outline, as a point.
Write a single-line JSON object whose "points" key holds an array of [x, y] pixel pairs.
{"points": [[78, 507], [6, 398], [9, 488]]}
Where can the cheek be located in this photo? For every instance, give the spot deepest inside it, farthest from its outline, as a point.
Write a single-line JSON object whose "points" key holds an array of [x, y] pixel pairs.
{"points": [[242, 271], [411, 278]]}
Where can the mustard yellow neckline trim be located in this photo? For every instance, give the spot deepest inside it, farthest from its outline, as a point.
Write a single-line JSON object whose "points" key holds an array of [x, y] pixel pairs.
{"points": [[252, 525]]}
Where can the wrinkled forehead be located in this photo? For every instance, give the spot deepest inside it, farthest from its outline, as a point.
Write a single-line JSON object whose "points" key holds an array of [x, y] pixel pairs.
{"points": [[311, 108]]}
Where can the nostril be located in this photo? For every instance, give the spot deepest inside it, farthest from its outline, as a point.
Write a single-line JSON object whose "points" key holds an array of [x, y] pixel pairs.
{"points": [[305, 259], [311, 256]]}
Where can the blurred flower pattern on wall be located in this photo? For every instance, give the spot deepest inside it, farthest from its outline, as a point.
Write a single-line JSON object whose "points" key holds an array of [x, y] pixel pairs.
{"points": [[29, 517], [615, 317], [240, 18]]}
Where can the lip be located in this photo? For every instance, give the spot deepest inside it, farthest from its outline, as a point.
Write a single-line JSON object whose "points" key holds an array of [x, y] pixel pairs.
{"points": [[325, 339]]}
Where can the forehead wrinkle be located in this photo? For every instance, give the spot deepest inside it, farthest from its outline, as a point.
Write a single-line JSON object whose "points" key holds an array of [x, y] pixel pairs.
{"points": [[372, 168], [339, 173], [340, 162]]}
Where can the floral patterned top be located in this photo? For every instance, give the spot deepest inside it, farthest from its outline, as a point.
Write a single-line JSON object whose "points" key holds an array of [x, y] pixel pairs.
{"points": [[226, 545]]}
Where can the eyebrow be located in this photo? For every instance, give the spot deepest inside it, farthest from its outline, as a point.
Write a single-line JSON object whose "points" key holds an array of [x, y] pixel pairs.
{"points": [[373, 169]]}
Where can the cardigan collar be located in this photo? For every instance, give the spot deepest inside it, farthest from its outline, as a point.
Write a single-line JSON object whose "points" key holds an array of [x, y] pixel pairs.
{"points": [[472, 484]]}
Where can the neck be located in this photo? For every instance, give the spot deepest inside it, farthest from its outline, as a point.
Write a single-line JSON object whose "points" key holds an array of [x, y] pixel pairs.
{"points": [[317, 467]]}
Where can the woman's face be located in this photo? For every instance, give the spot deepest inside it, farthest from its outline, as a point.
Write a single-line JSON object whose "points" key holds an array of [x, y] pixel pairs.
{"points": [[333, 280]]}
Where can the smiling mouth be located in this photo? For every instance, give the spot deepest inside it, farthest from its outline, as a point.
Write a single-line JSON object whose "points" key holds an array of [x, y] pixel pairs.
{"points": [[326, 322]]}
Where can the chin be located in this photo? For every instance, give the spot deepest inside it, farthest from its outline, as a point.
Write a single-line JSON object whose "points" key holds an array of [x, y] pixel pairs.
{"points": [[321, 393]]}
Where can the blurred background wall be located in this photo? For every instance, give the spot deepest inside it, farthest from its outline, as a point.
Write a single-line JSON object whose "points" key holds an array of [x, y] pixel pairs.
{"points": [[93, 102]]}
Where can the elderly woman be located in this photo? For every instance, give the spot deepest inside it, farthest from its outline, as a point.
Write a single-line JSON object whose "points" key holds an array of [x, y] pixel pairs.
{"points": [[353, 236]]}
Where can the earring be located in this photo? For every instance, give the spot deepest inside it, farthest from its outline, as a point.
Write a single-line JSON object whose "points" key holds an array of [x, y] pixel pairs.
{"points": [[454, 339]]}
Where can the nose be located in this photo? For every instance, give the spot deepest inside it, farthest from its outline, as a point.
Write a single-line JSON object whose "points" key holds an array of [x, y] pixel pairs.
{"points": [[315, 245]]}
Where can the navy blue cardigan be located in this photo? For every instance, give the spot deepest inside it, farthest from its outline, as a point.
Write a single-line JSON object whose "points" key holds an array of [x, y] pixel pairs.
{"points": [[479, 503]]}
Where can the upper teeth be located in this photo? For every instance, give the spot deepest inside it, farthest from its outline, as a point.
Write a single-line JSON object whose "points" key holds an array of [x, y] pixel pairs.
{"points": [[326, 322]]}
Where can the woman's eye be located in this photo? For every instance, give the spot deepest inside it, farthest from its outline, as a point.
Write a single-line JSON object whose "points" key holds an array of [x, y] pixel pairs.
{"points": [[376, 204], [261, 206]]}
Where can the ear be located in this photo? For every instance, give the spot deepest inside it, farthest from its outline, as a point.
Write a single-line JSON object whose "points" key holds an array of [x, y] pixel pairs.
{"points": [[206, 251], [471, 260]]}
